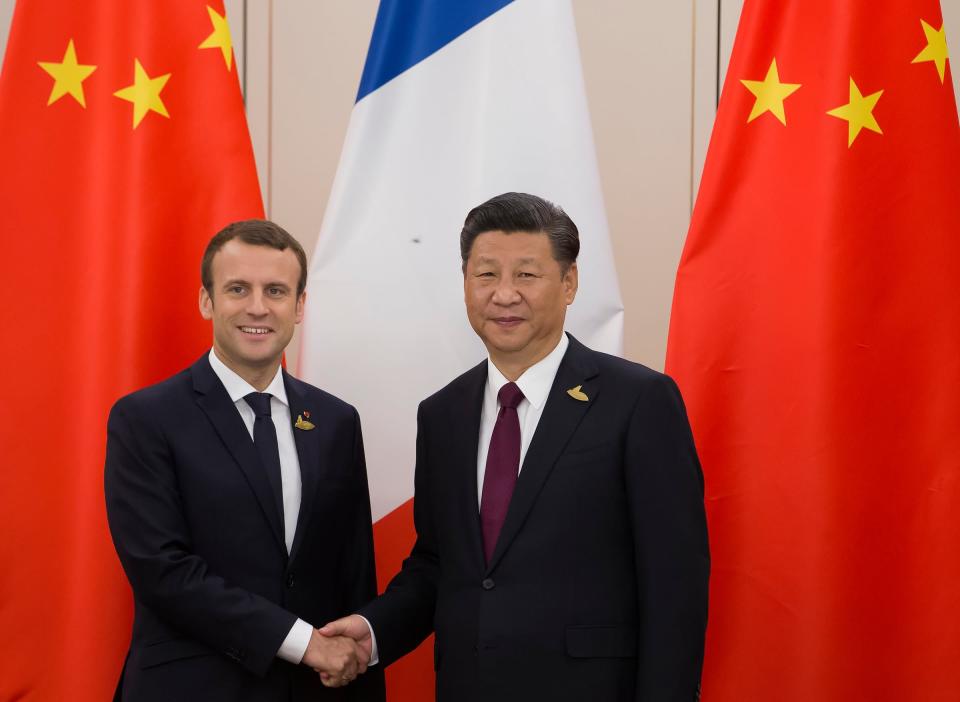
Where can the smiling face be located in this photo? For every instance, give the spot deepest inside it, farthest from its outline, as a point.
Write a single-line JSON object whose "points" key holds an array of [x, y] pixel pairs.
{"points": [[517, 295], [254, 307]]}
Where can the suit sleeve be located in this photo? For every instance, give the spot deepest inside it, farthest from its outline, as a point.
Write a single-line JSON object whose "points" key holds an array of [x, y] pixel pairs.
{"points": [[153, 542], [402, 617], [665, 490]]}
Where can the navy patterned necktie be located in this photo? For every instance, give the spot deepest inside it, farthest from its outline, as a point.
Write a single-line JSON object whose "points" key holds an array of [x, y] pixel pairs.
{"points": [[503, 465]]}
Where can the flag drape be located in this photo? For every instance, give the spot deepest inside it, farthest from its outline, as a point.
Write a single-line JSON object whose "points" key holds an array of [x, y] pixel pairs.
{"points": [[815, 335], [124, 149], [458, 102]]}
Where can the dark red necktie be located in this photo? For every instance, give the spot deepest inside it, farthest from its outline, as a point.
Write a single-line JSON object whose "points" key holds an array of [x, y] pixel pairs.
{"points": [[503, 464]]}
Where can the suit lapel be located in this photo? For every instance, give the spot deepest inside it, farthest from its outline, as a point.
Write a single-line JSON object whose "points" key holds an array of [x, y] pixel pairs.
{"points": [[216, 404], [464, 428], [561, 416], [308, 453]]}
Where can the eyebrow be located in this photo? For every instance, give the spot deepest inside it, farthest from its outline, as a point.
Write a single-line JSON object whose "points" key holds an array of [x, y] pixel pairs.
{"points": [[241, 281], [489, 259]]}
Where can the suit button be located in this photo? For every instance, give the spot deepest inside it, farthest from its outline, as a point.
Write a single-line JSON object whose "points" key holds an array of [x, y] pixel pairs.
{"points": [[488, 584], [290, 580]]}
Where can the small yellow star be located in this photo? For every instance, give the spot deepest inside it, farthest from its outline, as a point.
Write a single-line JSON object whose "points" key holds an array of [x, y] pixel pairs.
{"points": [[770, 94], [936, 48], [144, 93], [858, 112], [68, 76], [220, 37]]}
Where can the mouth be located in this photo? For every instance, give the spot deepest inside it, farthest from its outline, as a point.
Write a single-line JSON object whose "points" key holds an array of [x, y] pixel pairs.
{"points": [[507, 322], [256, 331]]}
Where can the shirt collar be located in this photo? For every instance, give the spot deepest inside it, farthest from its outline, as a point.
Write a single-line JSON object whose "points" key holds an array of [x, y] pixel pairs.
{"points": [[238, 388], [536, 381]]}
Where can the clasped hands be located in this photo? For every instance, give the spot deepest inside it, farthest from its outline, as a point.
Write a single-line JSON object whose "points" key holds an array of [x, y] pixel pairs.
{"points": [[340, 651]]}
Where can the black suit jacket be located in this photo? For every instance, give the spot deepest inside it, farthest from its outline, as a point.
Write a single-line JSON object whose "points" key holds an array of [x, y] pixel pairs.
{"points": [[597, 588], [199, 535]]}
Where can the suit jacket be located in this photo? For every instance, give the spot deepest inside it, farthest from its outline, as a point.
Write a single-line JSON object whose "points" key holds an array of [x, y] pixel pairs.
{"points": [[597, 588], [199, 535]]}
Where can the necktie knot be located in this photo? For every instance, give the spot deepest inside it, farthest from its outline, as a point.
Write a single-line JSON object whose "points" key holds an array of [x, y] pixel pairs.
{"points": [[510, 396], [259, 402]]}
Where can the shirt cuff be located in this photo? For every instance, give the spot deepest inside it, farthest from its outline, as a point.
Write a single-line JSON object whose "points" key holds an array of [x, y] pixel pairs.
{"points": [[374, 654], [295, 645]]}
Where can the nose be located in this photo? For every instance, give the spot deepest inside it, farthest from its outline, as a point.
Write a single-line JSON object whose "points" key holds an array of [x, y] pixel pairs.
{"points": [[506, 294], [257, 304]]}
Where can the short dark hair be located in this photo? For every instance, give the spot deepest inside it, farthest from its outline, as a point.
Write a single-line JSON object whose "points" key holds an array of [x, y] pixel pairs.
{"points": [[522, 212], [258, 232]]}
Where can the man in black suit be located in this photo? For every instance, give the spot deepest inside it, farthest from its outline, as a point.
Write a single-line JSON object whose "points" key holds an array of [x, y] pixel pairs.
{"points": [[583, 575], [237, 500]]}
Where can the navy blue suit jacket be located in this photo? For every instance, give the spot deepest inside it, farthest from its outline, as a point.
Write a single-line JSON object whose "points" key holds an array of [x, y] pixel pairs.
{"points": [[597, 588], [199, 536]]}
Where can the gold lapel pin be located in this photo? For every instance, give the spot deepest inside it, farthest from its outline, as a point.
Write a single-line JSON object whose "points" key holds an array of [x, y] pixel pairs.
{"points": [[302, 423], [577, 394]]}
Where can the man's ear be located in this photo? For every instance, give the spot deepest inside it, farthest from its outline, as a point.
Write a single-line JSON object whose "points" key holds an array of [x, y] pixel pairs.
{"points": [[206, 304], [301, 301], [571, 280]]}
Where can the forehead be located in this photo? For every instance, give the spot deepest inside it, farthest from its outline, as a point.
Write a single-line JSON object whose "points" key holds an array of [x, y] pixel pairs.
{"points": [[240, 260], [498, 245]]}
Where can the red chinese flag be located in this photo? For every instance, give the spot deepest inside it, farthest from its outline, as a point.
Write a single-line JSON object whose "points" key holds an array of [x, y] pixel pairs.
{"points": [[816, 338], [125, 149]]}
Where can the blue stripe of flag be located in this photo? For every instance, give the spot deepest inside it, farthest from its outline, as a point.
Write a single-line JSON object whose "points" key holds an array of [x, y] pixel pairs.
{"points": [[408, 31]]}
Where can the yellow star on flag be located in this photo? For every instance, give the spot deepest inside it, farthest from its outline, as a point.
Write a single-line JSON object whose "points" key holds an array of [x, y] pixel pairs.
{"points": [[770, 94], [858, 113], [220, 37], [936, 48], [68, 76], [144, 93]]}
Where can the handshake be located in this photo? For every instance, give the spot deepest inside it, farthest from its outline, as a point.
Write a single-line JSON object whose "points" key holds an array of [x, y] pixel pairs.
{"points": [[340, 651]]}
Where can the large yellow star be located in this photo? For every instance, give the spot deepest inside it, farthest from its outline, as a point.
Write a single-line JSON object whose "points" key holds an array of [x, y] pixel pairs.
{"points": [[936, 48], [144, 93], [858, 113], [68, 76], [220, 37], [770, 94]]}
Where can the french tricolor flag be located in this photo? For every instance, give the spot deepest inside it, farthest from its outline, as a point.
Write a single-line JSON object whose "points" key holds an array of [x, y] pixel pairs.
{"points": [[459, 101]]}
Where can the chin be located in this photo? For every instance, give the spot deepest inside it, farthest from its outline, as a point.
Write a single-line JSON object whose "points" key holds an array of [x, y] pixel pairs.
{"points": [[262, 358], [507, 345]]}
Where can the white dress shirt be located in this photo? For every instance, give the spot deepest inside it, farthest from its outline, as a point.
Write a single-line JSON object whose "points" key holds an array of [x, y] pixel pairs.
{"points": [[535, 384], [295, 644]]}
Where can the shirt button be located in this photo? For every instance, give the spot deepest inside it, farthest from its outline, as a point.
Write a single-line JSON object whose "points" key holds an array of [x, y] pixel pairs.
{"points": [[488, 584]]}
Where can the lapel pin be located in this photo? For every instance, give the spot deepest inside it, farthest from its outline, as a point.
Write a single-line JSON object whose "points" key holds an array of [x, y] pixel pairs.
{"points": [[577, 394], [301, 423]]}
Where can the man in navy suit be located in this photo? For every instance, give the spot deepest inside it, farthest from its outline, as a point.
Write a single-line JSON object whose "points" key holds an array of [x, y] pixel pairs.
{"points": [[238, 503], [561, 548]]}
